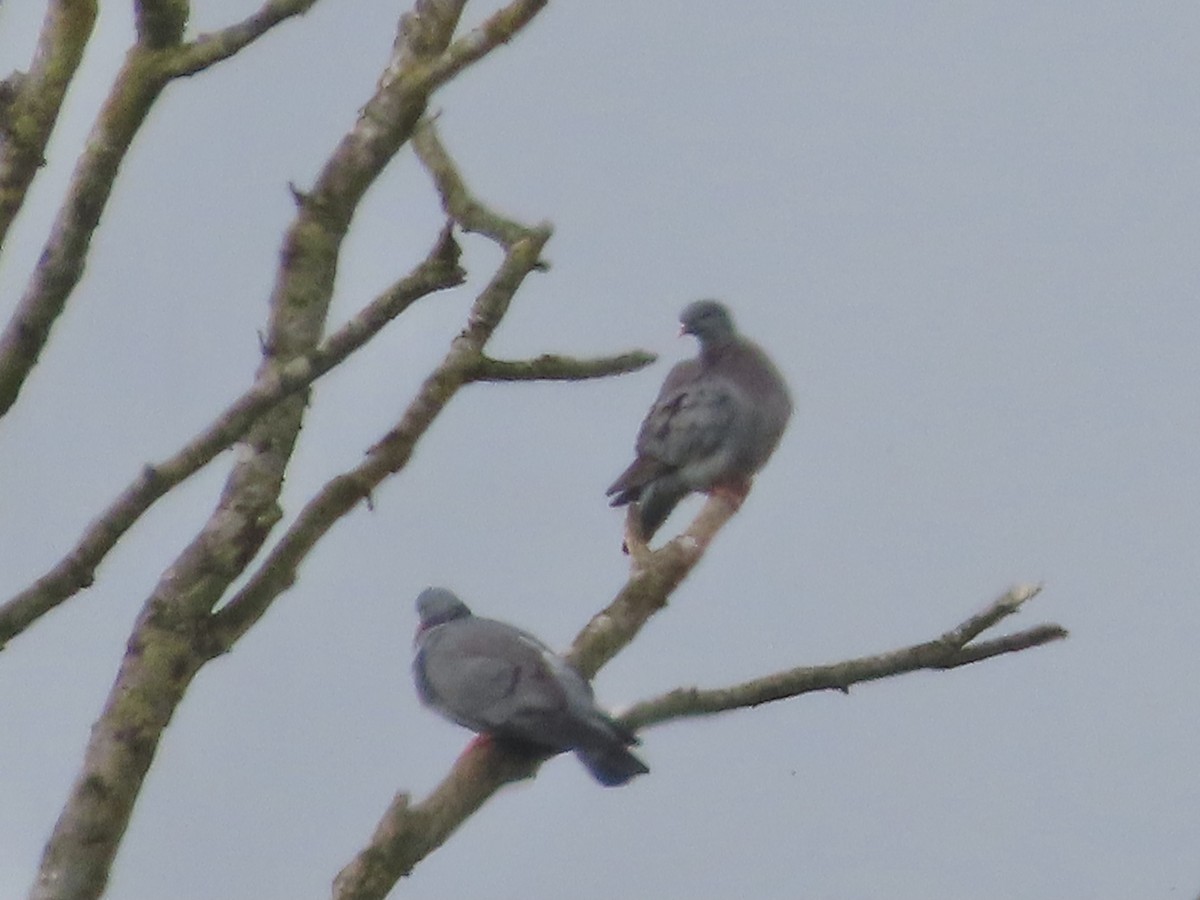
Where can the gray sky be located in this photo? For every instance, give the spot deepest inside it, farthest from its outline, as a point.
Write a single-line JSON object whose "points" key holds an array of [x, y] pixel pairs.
{"points": [[967, 233]]}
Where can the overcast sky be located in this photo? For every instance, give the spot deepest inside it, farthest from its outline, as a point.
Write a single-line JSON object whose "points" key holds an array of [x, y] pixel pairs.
{"points": [[967, 233]]}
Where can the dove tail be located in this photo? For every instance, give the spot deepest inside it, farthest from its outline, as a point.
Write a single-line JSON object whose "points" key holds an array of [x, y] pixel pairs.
{"points": [[611, 765], [658, 500]]}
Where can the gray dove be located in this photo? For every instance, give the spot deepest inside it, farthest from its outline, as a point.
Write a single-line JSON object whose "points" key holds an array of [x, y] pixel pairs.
{"points": [[503, 682], [716, 422]]}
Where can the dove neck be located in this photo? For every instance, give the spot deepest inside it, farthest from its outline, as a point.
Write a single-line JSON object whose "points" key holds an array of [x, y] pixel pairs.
{"points": [[714, 350]]}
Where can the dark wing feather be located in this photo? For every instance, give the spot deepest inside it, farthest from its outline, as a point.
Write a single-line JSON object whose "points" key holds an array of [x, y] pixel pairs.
{"points": [[695, 422], [690, 419], [487, 676]]}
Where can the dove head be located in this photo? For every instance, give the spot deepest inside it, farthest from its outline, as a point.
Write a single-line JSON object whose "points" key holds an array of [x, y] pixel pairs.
{"points": [[436, 606], [709, 321]]}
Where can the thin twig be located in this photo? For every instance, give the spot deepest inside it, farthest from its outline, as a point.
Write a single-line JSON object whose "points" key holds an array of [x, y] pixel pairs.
{"points": [[553, 367], [1003, 607], [213, 47], [459, 203], [938, 654]]}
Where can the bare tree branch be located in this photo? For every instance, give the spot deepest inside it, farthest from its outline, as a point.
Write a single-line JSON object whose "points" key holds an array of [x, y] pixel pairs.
{"points": [[32, 100], [949, 651], [75, 571], [216, 46], [553, 367]]}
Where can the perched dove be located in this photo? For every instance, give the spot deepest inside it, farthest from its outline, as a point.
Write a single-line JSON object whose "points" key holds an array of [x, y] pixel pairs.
{"points": [[716, 422], [498, 680]]}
